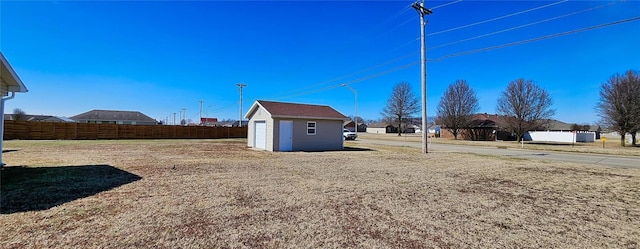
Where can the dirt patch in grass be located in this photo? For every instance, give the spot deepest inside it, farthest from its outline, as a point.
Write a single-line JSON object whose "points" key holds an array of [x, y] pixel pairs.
{"points": [[218, 194]]}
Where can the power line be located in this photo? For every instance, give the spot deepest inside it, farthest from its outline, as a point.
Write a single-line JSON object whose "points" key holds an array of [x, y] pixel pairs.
{"points": [[372, 31], [536, 39], [349, 74], [465, 53], [446, 4], [381, 73], [352, 81], [525, 25], [394, 28], [390, 18], [497, 18], [461, 53], [303, 91]]}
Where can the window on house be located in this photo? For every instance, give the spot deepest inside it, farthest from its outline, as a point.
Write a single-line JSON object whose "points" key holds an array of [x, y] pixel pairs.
{"points": [[311, 128]]}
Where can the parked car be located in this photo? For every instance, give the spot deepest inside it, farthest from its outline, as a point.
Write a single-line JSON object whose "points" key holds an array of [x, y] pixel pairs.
{"points": [[349, 135]]}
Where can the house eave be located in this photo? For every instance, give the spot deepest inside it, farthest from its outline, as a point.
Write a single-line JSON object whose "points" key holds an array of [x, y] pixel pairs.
{"points": [[256, 105], [309, 117], [10, 78]]}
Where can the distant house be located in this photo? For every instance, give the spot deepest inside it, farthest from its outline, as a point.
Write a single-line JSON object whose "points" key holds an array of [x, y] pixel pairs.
{"points": [[434, 129], [381, 128], [10, 83], [114, 117], [58, 119], [38, 118], [483, 127], [349, 125], [224, 123], [244, 123], [279, 126], [208, 121]]}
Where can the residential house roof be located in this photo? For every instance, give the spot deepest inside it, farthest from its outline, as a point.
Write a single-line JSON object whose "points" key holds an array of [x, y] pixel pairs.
{"points": [[484, 120], [556, 125], [111, 115], [29, 117], [350, 123], [26, 117], [295, 110], [59, 119]]}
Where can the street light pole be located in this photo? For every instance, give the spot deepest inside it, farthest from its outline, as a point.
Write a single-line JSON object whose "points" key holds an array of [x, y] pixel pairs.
{"points": [[422, 11], [355, 116]]}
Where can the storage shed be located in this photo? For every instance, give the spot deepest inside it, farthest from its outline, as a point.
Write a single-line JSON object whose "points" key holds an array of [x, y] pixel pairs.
{"points": [[279, 126]]}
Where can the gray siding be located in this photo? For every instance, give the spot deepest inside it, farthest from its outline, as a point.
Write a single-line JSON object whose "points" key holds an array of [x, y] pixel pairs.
{"points": [[328, 135]]}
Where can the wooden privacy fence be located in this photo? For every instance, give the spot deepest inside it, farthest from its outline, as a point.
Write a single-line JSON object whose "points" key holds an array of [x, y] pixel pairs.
{"points": [[33, 130]]}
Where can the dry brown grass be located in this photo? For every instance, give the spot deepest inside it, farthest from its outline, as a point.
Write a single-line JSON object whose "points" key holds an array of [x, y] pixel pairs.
{"points": [[222, 195], [612, 146]]}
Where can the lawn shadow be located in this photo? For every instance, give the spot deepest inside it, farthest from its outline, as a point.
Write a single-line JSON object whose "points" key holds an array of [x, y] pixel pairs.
{"points": [[24, 188], [9, 150], [343, 149], [355, 149]]}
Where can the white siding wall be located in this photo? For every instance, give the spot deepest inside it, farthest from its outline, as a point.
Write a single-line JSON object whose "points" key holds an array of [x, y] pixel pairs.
{"points": [[377, 130], [260, 115], [559, 136]]}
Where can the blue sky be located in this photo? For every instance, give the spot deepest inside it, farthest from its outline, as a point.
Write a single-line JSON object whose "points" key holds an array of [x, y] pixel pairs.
{"points": [[160, 57]]}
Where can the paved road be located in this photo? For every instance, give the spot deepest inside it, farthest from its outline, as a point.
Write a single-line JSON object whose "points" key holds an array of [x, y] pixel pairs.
{"points": [[583, 158]]}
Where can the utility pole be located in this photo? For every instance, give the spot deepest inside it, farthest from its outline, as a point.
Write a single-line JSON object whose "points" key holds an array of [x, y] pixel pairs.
{"points": [[240, 86], [355, 117], [183, 113], [201, 101], [174, 118], [422, 11]]}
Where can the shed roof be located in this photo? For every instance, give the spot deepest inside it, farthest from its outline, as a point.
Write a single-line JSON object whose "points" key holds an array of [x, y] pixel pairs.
{"points": [[9, 77], [295, 110], [112, 115]]}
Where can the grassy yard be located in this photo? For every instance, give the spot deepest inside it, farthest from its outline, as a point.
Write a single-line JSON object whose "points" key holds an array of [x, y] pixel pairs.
{"points": [[611, 146], [219, 194]]}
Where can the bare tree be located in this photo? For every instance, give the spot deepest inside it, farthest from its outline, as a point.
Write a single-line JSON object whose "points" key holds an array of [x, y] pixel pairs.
{"points": [[457, 106], [19, 114], [619, 105], [401, 104], [524, 106]]}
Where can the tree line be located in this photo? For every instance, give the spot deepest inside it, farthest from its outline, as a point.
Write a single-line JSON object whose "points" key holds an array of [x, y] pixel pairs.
{"points": [[522, 106]]}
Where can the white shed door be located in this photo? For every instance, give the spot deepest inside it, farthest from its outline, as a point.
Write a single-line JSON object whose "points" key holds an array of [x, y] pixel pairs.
{"points": [[286, 135], [261, 135]]}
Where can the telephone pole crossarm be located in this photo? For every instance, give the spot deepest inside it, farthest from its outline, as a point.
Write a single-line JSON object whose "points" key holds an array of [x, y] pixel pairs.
{"points": [[421, 9]]}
